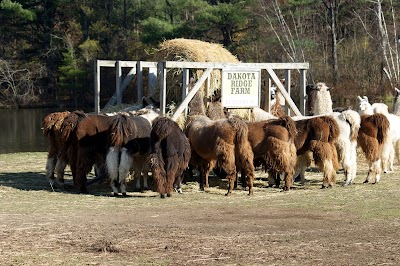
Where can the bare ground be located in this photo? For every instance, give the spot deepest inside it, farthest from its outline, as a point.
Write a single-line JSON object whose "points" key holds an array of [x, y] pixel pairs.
{"points": [[355, 225]]}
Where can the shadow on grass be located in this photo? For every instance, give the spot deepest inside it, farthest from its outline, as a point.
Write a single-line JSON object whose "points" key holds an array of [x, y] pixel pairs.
{"points": [[34, 181]]}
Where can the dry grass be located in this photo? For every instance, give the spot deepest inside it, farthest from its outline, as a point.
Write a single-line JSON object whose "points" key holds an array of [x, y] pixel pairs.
{"points": [[355, 225]]}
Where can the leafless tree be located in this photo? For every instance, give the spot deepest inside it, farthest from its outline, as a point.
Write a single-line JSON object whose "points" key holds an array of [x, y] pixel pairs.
{"points": [[16, 84]]}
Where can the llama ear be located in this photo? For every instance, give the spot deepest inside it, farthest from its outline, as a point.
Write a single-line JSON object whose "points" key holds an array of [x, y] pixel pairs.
{"points": [[396, 90], [365, 98], [359, 98]]}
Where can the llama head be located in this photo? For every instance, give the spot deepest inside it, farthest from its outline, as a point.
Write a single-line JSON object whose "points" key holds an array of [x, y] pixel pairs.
{"points": [[364, 106]]}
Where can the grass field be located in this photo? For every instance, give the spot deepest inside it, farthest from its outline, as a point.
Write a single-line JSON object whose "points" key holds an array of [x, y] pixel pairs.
{"points": [[354, 225]]}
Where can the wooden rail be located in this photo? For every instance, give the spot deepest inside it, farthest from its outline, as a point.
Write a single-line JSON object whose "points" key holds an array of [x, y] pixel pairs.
{"points": [[158, 70]]}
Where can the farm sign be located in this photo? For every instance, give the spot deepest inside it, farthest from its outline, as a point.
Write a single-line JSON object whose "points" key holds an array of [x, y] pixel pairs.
{"points": [[240, 88]]}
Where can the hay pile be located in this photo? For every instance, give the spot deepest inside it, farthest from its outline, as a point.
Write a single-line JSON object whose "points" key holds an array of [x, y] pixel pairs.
{"points": [[191, 51]]}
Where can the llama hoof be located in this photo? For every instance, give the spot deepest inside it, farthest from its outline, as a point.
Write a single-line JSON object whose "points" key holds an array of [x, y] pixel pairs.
{"points": [[169, 195], [162, 196], [114, 194], [366, 181], [228, 194], [124, 194]]}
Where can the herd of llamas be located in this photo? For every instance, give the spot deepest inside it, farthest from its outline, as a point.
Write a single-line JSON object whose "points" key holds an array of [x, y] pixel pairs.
{"points": [[214, 139]]}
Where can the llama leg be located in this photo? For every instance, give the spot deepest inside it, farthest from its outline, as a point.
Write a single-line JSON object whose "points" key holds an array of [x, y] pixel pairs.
{"points": [[350, 164], [386, 154], [288, 180], [250, 182], [231, 183], [202, 178], [376, 166], [397, 151], [172, 169], [303, 161], [391, 158], [329, 173], [112, 162], [60, 169], [369, 173], [50, 165], [125, 165], [145, 172], [210, 166]]}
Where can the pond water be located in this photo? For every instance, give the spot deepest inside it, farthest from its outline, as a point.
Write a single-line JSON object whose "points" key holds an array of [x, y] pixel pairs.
{"points": [[21, 130]]}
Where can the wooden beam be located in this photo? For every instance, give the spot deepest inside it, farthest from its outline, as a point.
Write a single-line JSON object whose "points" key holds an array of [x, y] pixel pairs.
{"points": [[179, 64], [283, 91], [191, 94]]}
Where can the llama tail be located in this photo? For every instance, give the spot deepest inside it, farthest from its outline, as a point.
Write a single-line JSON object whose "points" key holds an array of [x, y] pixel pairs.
{"points": [[333, 128], [70, 123], [243, 151], [162, 127], [382, 123], [53, 121], [288, 123], [120, 128]]}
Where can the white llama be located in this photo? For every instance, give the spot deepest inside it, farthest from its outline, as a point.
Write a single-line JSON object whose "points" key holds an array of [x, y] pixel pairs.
{"points": [[349, 123]]}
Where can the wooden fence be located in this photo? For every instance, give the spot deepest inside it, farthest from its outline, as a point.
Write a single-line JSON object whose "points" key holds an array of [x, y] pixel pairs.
{"points": [[157, 72]]}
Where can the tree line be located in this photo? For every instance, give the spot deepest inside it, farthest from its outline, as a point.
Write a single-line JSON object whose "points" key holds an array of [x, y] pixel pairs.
{"points": [[47, 48]]}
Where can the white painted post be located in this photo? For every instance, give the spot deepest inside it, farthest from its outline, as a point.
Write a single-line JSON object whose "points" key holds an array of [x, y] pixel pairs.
{"points": [[96, 87], [139, 73], [162, 76], [302, 93], [287, 87], [118, 77], [185, 87]]}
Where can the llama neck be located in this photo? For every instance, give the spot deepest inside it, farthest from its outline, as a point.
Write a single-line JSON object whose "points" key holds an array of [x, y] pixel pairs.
{"points": [[196, 105], [323, 103]]}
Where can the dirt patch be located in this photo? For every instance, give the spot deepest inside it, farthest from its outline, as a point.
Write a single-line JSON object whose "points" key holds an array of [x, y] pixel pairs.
{"points": [[355, 225]]}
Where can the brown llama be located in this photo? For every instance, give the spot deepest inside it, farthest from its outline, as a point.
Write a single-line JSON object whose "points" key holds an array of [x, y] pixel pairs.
{"points": [[52, 130], [89, 146], [170, 155], [223, 142], [372, 136], [316, 137], [272, 142]]}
